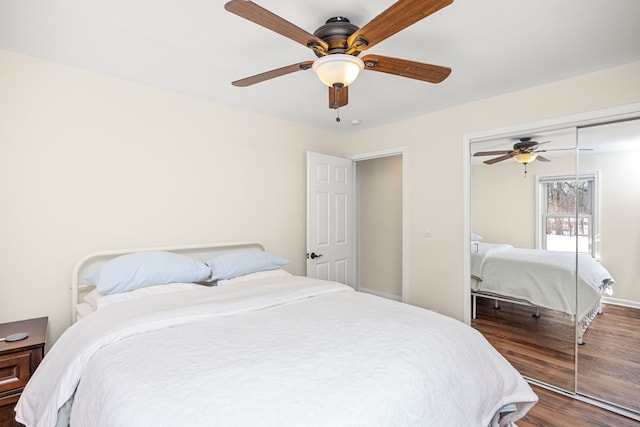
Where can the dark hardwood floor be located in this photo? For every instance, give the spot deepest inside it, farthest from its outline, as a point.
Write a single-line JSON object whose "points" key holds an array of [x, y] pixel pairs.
{"points": [[609, 362], [542, 348], [556, 410], [537, 347]]}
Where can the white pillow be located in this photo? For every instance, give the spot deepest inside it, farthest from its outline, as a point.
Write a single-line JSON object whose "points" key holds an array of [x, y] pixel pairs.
{"points": [[98, 300], [255, 276]]}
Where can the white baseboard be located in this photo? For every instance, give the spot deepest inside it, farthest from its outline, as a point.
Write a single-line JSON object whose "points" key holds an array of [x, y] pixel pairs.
{"points": [[621, 302], [380, 294]]}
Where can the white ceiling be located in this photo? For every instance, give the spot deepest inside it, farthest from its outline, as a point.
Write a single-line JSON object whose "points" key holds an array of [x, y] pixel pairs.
{"points": [[196, 47]]}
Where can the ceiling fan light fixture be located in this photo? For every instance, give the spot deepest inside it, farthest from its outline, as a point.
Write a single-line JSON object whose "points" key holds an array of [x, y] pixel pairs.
{"points": [[338, 69], [525, 158]]}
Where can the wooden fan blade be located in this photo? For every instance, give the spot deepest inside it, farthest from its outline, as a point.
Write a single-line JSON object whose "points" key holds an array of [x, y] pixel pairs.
{"points": [[261, 16], [542, 159], [338, 97], [272, 74], [399, 16], [404, 68], [498, 159], [492, 153]]}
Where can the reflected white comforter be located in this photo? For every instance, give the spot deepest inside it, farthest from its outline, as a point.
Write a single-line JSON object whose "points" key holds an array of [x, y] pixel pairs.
{"points": [[543, 278], [287, 351]]}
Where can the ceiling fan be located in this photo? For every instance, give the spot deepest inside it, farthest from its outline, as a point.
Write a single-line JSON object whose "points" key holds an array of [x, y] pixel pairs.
{"points": [[338, 43], [523, 152]]}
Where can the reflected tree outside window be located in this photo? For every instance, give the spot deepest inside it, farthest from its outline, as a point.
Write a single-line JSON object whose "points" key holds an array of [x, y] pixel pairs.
{"points": [[568, 210]]}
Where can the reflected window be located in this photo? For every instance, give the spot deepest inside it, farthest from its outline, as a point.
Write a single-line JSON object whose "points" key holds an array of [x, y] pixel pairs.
{"points": [[568, 209]]}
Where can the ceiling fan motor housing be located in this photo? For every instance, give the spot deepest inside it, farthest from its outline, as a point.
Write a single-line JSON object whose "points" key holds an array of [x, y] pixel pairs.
{"points": [[525, 144], [335, 33]]}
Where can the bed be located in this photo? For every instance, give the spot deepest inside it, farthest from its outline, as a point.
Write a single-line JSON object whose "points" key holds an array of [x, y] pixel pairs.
{"points": [[540, 278], [260, 347]]}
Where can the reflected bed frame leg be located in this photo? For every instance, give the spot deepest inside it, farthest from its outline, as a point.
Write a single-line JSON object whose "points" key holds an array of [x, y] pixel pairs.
{"points": [[474, 313]]}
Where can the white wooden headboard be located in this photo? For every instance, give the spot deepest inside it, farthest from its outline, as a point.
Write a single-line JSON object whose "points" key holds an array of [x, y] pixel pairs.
{"points": [[204, 252]]}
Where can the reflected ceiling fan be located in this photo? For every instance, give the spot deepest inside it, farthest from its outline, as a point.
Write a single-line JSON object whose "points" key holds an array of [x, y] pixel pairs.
{"points": [[524, 152], [338, 43]]}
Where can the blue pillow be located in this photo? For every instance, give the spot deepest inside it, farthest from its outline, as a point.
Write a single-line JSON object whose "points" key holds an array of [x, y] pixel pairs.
{"points": [[239, 263], [475, 237], [141, 269]]}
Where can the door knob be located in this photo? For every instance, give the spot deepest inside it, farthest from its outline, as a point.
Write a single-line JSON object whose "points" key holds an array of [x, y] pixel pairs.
{"points": [[313, 255]]}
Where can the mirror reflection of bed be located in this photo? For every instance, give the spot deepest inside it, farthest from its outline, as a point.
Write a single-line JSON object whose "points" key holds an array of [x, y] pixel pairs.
{"points": [[541, 279], [508, 207]]}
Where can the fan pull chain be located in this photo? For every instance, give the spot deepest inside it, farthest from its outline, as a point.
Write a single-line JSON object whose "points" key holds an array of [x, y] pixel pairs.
{"points": [[337, 87]]}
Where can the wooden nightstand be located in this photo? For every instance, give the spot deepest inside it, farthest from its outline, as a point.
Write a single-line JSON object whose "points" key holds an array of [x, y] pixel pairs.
{"points": [[18, 361]]}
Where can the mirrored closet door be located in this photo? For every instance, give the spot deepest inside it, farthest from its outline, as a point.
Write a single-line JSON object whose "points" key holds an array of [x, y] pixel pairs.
{"points": [[608, 361], [524, 195]]}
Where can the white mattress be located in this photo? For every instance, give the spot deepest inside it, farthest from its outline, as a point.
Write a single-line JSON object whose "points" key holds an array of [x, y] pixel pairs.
{"points": [[288, 351]]}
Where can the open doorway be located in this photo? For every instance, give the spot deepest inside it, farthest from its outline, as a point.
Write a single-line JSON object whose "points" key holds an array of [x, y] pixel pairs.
{"points": [[380, 202], [356, 221]]}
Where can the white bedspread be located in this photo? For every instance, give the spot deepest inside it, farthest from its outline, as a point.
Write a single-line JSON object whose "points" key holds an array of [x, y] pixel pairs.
{"points": [[543, 278], [480, 252], [289, 351]]}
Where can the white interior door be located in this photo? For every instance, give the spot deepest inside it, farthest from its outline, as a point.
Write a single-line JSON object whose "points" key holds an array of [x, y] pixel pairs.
{"points": [[330, 218]]}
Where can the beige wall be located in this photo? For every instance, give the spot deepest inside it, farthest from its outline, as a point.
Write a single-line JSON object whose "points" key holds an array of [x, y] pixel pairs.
{"points": [[434, 167], [503, 208], [380, 225], [89, 162], [620, 218]]}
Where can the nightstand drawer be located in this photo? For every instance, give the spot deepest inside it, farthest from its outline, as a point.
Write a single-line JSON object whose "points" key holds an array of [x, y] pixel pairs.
{"points": [[7, 414], [15, 370], [18, 361]]}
